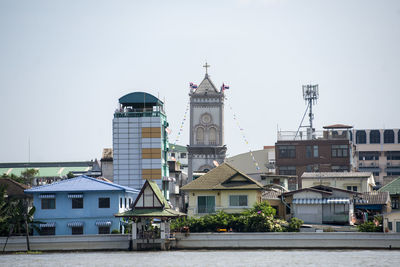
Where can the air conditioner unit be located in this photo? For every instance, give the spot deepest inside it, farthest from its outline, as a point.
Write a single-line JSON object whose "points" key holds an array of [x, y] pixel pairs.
{"points": [[372, 163], [388, 164]]}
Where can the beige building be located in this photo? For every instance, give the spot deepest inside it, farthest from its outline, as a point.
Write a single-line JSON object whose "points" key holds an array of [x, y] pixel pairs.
{"points": [[352, 181], [377, 151], [223, 188], [391, 222]]}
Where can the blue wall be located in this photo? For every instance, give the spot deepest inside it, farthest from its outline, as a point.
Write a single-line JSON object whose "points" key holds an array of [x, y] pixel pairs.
{"points": [[64, 214]]}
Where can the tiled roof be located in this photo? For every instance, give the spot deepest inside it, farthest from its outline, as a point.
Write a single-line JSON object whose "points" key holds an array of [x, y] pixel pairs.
{"points": [[13, 188], [376, 197], [393, 187], [336, 175], [224, 177], [80, 184]]}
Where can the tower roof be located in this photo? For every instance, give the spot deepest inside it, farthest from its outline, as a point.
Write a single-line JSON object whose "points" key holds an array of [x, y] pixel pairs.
{"points": [[139, 98], [206, 87]]}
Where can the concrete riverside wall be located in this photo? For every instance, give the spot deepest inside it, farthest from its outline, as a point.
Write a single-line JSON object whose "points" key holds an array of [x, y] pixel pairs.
{"points": [[286, 240], [72, 242]]}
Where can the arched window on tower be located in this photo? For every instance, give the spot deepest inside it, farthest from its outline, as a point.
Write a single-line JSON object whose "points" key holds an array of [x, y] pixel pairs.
{"points": [[200, 135], [374, 137], [388, 137], [212, 138]]}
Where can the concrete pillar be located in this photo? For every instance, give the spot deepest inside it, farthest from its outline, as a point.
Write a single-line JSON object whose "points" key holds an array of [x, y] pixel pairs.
{"points": [[134, 230], [162, 230]]}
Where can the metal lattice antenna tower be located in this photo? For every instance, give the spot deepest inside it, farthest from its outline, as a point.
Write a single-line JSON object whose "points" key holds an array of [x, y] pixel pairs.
{"points": [[310, 95]]}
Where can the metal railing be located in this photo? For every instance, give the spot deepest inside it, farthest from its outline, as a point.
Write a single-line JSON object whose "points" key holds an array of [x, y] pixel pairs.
{"points": [[317, 135]]}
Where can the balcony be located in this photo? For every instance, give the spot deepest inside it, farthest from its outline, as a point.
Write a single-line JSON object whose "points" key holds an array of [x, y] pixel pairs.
{"points": [[134, 114]]}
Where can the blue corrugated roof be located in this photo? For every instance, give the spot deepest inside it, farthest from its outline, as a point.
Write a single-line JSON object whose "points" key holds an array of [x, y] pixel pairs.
{"points": [[80, 184]]}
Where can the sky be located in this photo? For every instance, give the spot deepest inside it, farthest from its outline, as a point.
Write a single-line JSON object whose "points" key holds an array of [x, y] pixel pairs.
{"points": [[65, 64]]}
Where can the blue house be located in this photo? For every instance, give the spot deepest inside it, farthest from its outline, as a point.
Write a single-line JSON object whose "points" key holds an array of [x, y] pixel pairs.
{"points": [[80, 206]]}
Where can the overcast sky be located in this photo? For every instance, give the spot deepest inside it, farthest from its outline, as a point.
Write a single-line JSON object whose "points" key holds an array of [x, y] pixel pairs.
{"points": [[64, 64]]}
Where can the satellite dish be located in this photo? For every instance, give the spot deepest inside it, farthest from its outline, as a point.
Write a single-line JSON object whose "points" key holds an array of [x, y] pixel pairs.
{"points": [[216, 163]]}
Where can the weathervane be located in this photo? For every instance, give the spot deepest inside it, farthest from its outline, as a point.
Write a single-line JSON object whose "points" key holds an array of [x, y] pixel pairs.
{"points": [[206, 66]]}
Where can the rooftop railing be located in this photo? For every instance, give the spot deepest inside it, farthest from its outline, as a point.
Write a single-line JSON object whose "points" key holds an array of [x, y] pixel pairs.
{"points": [[119, 114], [316, 135]]}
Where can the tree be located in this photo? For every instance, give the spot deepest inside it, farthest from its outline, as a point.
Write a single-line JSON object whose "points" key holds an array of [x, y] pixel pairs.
{"points": [[28, 175]]}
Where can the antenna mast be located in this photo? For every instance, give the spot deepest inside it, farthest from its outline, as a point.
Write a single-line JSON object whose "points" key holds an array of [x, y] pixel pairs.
{"points": [[310, 95]]}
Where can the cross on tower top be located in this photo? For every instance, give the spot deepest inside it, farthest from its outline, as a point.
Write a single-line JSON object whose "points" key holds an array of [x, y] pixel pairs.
{"points": [[206, 66]]}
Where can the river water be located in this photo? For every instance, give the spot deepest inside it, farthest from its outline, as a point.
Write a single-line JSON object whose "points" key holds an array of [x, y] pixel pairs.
{"points": [[228, 258]]}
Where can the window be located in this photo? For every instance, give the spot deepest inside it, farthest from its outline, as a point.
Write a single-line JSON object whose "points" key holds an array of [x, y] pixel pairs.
{"points": [[388, 137], [352, 188], [374, 137], [173, 155], [77, 230], [395, 203], [393, 155], [130, 202], [308, 152], [212, 136], [48, 203], [48, 230], [104, 230], [77, 203], [104, 202], [120, 202], [287, 170], [342, 168], [125, 203], [238, 201], [361, 137], [287, 151], [183, 155], [339, 151], [200, 135], [390, 226], [368, 155], [316, 152], [206, 204]]}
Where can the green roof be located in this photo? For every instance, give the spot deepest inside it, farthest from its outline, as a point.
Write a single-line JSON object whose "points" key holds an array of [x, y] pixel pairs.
{"points": [[139, 98], [154, 213], [177, 148], [393, 187], [223, 177], [159, 194], [46, 171]]}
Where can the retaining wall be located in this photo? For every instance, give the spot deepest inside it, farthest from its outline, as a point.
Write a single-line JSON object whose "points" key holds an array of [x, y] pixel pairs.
{"points": [[286, 240]]}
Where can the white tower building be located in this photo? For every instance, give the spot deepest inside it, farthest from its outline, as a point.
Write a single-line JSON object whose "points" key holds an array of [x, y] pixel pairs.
{"points": [[140, 142]]}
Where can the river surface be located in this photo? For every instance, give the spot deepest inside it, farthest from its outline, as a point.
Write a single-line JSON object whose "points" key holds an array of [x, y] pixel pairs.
{"points": [[228, 258]]}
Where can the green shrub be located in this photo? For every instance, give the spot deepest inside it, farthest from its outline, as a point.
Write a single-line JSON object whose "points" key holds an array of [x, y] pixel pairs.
{"points": [[115, 231], [294, 224], [369, 227]]}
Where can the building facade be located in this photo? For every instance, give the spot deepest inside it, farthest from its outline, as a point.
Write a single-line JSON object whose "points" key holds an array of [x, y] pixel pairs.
{"points": [[327, 151], [206, 148], [81, 206], [378, 151], [140, 141]]}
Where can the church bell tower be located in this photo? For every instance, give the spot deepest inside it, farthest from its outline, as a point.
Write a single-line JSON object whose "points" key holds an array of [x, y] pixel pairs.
{"points": [[206, 148]]}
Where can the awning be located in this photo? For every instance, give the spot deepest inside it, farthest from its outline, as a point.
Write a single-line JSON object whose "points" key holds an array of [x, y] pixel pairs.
{"points": [[75, 224], [311, 201], [75, 195], [338, 200], [103, 223], [47, 196], [49, 224]]}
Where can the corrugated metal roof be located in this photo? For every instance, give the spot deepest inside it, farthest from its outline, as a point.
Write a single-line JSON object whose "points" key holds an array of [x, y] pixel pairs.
{"points": [[376, 197], [393, 187], [46, 171], [336, 175], [80, 184]]}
